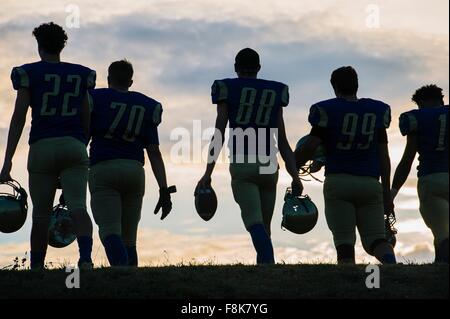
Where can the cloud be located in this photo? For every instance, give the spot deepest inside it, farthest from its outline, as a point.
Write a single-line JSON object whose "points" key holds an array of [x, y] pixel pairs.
{"points": [[178, 57], [178, 49]]}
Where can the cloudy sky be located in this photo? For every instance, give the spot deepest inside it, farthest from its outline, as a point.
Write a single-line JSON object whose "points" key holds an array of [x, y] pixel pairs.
{"points": [[179, 48]]}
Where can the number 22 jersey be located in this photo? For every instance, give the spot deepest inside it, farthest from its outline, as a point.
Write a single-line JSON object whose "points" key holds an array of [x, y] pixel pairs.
{"points": [[57, 91]]}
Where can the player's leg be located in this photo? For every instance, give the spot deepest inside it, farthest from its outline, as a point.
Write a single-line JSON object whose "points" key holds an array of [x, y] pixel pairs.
{"points": [[132, 194], [340, 214], [43, 178], [268, 193], [370, 220], [246, 194], [42, 192], [74, 178], [434, 208], [106, 207], [131, 207]]}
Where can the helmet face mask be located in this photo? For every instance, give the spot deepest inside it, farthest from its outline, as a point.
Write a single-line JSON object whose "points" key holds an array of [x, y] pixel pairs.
{"points": [[61, 230], [300, 214], [13, 208], [205, 202], [391, 231]]}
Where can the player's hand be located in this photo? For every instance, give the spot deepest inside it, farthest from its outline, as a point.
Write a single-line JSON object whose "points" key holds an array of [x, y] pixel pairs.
{"points": [[58, 184], [296, 186], [62, 200], [5, 174], [204, 182], [165, 202]]}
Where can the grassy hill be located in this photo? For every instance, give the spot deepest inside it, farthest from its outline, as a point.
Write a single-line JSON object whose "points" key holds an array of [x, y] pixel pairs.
{"points": [[234, 281]]}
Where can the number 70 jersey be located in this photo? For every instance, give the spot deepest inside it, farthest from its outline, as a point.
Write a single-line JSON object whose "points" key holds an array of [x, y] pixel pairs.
{"points": [[122, 125], [57, 91], [353, 132]]}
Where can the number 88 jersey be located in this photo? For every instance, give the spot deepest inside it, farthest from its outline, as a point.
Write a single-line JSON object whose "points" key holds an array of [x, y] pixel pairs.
{"points": [[122, 125], [353, 130], [57, 91], [252, 104]]}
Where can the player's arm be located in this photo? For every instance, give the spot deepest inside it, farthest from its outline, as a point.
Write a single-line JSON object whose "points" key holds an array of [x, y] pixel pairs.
{"points": [[151, 139], [159, 170], [86, 114], [404, 167], [318, 119], [385, 170], [305, 153], [287, 154], [157, 164], [15, 130], [216, 144]]}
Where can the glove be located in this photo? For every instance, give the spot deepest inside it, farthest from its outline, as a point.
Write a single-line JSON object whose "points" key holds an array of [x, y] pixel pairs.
{"points": [[164, 201]]}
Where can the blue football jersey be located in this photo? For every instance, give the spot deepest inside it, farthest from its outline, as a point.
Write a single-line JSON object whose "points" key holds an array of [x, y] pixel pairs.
{"points": [[122, 125], [352, 134], [431, 127], [252, 104], [57, 92]]}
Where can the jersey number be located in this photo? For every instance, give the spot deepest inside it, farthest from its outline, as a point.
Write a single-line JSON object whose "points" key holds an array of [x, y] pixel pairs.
{"points": [[134, 124], [442, 132], [248, 97], [46, 110], [350, 127]]}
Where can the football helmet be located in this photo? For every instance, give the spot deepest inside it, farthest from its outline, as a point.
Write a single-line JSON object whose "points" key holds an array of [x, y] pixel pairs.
{"points": [[300, 214], [205, 202], [391, 231], [13, 208], [318, 159], [61, 232]]}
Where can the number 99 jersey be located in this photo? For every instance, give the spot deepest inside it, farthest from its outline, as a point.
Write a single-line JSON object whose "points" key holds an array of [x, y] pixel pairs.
{"points": [[431, 127], [254, 104], [353, 130], [57, 91], [122, 125]]}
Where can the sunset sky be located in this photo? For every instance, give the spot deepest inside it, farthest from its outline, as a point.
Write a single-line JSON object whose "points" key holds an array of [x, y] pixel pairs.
{"points": [[179, 48]]}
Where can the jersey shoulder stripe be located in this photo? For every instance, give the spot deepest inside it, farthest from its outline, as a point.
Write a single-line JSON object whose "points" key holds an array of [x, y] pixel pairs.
{"points": [[408, 123], [219, 91], [20, 78]]}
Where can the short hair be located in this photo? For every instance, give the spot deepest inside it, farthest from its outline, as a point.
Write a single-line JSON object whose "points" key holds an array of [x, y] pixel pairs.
{"points": [[50, 37], [247, 59], [427, 92], [121, 72], [345, 80]]}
